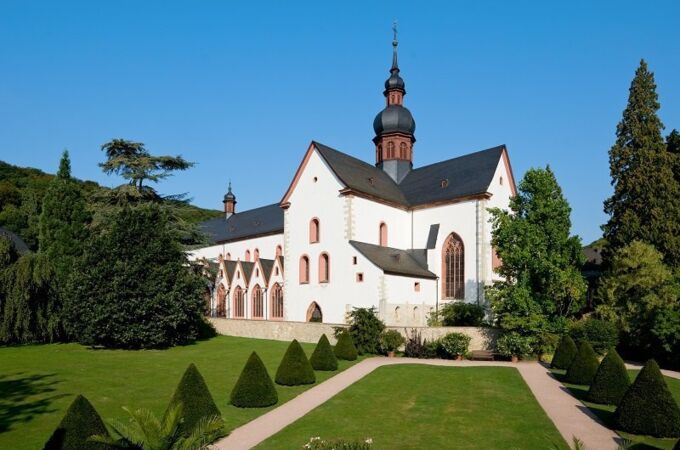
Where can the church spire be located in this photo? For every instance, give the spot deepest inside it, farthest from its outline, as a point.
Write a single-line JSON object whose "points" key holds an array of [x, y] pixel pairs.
{"points": [[229, 202], [394, 126]]}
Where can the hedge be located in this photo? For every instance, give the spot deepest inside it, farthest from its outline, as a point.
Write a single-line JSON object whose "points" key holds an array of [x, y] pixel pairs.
{"points": [[295, 368], [601, 334], [611, 380], [197, 402], [565, 353], [584, 366], [345, 348], [323, 357], [254, 388], [648, 407], [80, 422]]}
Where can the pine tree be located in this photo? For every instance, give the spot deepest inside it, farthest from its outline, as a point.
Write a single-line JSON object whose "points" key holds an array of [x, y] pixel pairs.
{"points": [[323, 357], [254, 388], [197, 402], [295, 368], [79, 424], [584, 366], [611, 380], [565, 353], [344, 348], [648, 407], [645, 205]]}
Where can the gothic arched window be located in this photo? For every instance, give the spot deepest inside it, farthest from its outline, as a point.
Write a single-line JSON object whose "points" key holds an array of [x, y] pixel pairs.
{"points": [[277, 302], [314, 313], [453, 266], [239, 306], [221, 307], [258, 303]]}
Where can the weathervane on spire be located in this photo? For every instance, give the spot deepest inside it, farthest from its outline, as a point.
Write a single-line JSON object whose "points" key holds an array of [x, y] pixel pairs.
{"points": [[395, 42], [394, 29]]}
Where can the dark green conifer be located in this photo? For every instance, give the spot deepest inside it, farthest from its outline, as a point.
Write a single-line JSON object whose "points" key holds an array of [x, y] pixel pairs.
{"points": [[323, 357], [565, 353], [79, 424], [197, 402], [345, 348], [611, 380], [254, 388], [584, 366], [648, 407], [295, 368]]}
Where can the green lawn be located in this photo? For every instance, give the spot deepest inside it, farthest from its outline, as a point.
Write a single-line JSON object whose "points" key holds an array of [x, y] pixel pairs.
{"points": [[37, 383], [429, 407], [605, 412]]}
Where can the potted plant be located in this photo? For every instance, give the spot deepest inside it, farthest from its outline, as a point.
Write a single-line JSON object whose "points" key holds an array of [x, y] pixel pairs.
{"points": [[513, 345], [390, 341], [455, 345]]}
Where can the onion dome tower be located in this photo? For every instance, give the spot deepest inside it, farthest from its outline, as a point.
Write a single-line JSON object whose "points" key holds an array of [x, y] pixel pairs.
{"points": [[229, 202], [394, 126]]}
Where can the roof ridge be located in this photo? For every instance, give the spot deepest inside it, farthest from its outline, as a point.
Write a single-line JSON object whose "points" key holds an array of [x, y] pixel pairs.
{"points": [[497, 147]]}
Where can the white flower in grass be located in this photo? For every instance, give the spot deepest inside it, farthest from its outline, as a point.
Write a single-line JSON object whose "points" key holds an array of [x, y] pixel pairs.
{"points": [[369, 441]]}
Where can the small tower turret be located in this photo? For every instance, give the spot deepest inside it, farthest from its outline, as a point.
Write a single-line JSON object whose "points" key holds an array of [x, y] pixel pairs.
{"points": [[229, 202]]}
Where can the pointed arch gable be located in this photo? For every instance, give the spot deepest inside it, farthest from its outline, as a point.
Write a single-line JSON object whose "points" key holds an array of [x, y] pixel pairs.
{"points": [[508, 169], [314, 313]]}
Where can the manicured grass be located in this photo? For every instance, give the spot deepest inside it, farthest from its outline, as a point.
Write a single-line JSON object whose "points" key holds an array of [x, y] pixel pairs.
{"points": [[37, 383], [428, 407], [605, 412]]}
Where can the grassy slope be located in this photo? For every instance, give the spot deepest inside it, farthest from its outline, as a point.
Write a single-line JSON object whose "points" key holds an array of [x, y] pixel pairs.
{"points": [[428, 407], [605, 412], [37, 383]]}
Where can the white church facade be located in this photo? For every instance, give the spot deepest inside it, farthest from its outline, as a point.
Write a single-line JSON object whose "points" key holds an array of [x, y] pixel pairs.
{"points": [[347, 233]]}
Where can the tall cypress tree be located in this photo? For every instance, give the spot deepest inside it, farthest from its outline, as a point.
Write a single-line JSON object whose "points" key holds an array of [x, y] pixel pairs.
{"points": [[645, 205]]}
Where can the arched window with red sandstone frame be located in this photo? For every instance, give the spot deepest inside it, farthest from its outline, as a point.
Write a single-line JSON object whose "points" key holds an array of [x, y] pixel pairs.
{"points": [[221, 306], [314, 231], [314, 313], [402, 150], [256, 254], [453, 268], [324, 268], [390, 149], [304, 269], [279, 250], [239, 310], [276, 301], [258, 302], [247, 255], [383, 234]]}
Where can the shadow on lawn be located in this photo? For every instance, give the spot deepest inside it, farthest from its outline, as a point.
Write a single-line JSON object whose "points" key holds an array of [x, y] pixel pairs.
{"points": [[23, 397]]}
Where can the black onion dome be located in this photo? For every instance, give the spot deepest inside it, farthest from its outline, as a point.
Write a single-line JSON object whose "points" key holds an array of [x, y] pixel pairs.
{"points": [[394, 119], [395, 82], [229, 195]]}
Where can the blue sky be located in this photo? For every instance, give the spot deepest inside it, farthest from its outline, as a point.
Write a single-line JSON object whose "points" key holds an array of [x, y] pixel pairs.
{"points": [[242, 88]]}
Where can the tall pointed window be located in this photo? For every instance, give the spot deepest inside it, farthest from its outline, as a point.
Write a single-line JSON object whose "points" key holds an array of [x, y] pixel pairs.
{"points": [[324, 268], [258, 303], [314, 231], [383, 234], [304, 269], [221, 307], [454, 268], [239, 304], [277, 302]]}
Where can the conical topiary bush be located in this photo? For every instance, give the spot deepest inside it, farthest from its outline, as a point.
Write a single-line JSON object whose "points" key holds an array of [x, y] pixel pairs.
{"points": [[677, 445], [611, 380], [323, 357], [254, 388], [345, 348], [564, 354], [80, 423], [295, 368], [197, 402], [584, 366], [648, 407]]}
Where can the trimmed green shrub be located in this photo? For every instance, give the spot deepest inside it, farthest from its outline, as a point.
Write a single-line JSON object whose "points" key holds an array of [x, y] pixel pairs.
{"points": [[584, 366], [455, 344], [365, 328], [565, 353], [79, 424], [345, 348], [323, 357], [391, 340], [611, 380], [295, 368], [197, 402], [461, 314], [601, 334], [677, 445], [648, 407], [254, 388], [513, 344]]}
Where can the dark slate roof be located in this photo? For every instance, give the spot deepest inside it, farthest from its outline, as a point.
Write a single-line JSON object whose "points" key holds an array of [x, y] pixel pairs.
{"points": [[267, 267], [393, 260], [280, 258], [254, 222], [19, 244], [361, 176], [230, 267], [466, 175], [247, 270]]}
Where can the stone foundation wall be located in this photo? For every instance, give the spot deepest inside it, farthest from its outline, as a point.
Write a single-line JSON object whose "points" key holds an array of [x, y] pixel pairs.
{"points": [[482, 338]]}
